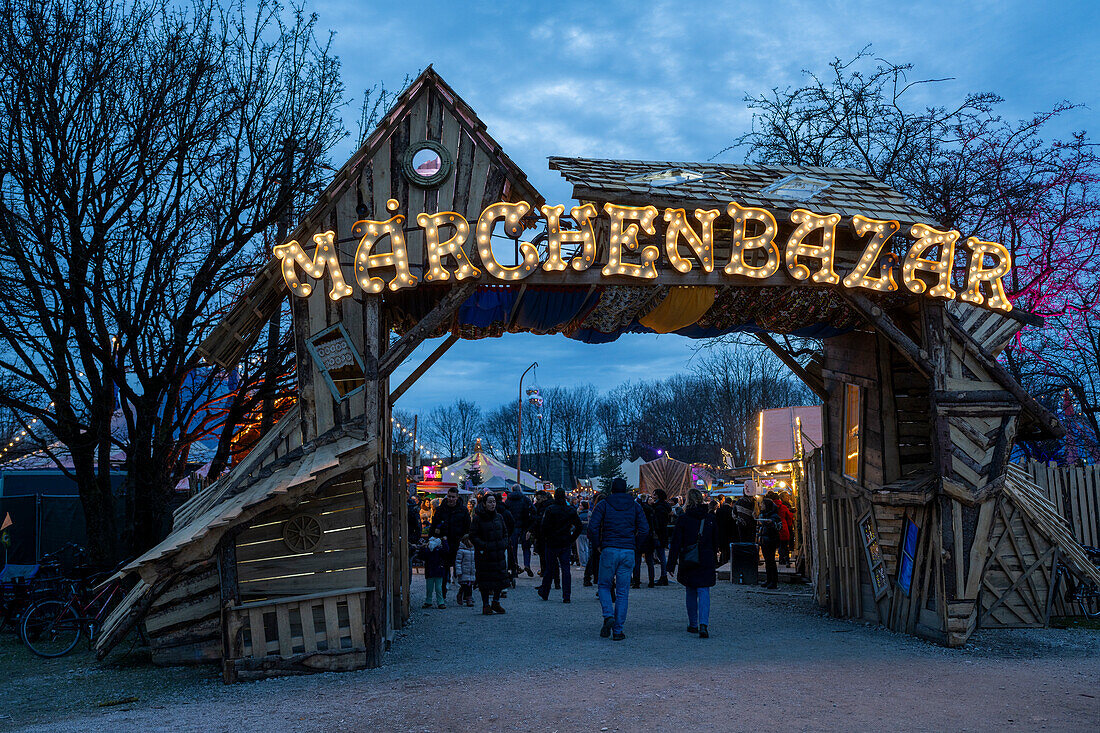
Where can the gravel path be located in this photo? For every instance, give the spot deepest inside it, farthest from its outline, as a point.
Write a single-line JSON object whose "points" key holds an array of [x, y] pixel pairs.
{"points": [[773, 662]]}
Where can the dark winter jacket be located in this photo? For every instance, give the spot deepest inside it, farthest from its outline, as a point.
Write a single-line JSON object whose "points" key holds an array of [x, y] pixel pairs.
{"points": [[685, 534], [413, 520], [521, 509], [560, 526], [489, 534], [744, 523], [723, 524], [767, 529], [618, 521], [435, 561], [646, 544], [454, 521], [662, 517]]}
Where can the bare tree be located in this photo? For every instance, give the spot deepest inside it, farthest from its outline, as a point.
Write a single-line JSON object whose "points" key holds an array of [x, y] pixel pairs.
{"points": [[999, 180], [142, 161]]}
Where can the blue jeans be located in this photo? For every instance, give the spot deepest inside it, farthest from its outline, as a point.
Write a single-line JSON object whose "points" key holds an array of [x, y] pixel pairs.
{"points": [[519, 536], [698, 603], [558, 558], [616, 566]]}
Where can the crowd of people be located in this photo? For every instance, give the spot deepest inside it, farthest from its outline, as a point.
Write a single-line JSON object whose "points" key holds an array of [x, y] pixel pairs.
{"points": [[487, 543]]}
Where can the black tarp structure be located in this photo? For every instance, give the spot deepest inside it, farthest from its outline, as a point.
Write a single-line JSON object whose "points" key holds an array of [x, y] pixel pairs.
{"points": [[46, 513]]}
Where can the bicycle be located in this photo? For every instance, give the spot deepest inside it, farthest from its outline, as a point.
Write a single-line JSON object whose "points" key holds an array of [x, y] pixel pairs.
{"points": [[1085, 593], [19, 594], [53, 628]]}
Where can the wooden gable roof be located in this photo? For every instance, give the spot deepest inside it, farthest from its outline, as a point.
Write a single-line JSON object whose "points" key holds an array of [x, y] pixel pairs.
{"points": [[427, 110], [849, 192]]}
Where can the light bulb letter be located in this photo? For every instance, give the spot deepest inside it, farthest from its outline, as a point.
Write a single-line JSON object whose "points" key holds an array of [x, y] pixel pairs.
{"points": [[513, 219], [369, 232], [452, 247], [977, 273], [702, 244], [809, 222], [626, 236], [915, 261], [556, 237], [740, 243], [881, 231], [324, 258]]}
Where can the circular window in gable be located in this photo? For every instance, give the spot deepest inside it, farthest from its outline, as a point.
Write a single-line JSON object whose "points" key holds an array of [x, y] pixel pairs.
{"points": [[426, 164]]}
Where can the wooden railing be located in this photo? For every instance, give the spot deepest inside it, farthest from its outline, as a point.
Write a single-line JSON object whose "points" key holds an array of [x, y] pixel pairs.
{"points": [[309, 633]]}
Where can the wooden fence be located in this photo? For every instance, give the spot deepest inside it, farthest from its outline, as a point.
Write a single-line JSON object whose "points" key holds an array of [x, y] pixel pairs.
{"points": [[1075, 490]]}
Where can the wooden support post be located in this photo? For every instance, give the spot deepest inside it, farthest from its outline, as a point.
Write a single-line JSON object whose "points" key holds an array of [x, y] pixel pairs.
{"points": [[917, 356], [816, 385], [424, 366], [230, 595], [404, 346]]}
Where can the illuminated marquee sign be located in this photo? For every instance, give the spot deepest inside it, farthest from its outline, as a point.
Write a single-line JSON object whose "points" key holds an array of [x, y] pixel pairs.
{"points": [[688, 242]]}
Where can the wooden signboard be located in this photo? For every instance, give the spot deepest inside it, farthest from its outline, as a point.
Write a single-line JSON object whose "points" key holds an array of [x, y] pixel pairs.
{"points": [[879, 581]]}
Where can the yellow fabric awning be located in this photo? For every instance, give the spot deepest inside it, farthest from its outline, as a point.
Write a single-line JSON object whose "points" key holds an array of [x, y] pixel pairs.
{"points": [[683, 306]]}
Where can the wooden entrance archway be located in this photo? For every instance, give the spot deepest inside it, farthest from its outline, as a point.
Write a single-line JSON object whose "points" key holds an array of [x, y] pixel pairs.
{"points": [[921, 417]]}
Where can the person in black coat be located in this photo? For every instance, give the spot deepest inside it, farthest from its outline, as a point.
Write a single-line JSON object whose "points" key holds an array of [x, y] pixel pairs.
{"points": [[523, 517], [662, 518], [452, 519], [695, 527], [745, 553], [767, 529], [723, 517], [646, 546], [560, 528], [489, 535]]}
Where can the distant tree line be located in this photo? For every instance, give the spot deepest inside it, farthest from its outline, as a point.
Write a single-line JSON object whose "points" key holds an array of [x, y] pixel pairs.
{"points": [[693, 416]]}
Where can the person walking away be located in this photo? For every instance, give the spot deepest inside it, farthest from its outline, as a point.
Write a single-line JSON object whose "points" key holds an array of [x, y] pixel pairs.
{"points": [[645, 547], [787, 517], [767, 529], [435, 553], [560, 528], [465, 572], [662, 518], [617, 525], [523, 516], [582, 541], [489, 536], [452, 519], [542, 503], [592, 567], [744, 552], [723, 518], [693, 549]]}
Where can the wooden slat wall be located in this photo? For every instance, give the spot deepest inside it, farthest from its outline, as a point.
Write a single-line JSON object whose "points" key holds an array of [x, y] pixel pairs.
{"points": [[183, 624], [266, 567], [1075, 491]]}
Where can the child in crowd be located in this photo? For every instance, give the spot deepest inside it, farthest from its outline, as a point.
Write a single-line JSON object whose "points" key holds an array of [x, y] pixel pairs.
{"points": [[464, 572], [434, 552]]}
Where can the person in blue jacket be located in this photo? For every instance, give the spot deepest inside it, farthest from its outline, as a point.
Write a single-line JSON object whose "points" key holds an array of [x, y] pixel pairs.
{"points": [[617, 526]]}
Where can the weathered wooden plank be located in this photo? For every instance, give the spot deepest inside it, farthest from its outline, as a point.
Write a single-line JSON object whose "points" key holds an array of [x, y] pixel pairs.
{"points": [[282, 621], [355, 621], [332, 623], [305, 584]]}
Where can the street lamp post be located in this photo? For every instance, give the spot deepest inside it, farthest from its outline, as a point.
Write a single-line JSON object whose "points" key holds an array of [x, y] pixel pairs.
{"points": [[519, 427]]}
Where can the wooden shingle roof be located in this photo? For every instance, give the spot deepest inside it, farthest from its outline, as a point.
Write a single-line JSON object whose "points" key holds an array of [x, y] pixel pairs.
{"points": [[850, 191]]}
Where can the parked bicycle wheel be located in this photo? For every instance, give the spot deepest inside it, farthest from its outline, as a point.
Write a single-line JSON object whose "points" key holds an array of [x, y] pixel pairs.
{"points": [[51, 628], [1090, 601]]}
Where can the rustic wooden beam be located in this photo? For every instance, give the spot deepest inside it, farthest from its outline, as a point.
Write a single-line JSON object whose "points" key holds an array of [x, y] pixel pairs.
{"points": [[816, 385], [424, 366], [1041, 414], [917, 356], [405, 345]]}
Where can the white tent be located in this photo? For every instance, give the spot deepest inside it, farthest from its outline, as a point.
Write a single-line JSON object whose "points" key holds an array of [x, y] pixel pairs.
{"points": [[491, 469], [632, 471]]}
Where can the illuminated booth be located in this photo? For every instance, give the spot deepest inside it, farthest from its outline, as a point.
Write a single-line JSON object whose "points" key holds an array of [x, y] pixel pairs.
{"points": [[293, 562]]}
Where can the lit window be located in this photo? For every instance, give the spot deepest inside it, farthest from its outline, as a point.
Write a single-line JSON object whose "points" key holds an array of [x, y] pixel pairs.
{"points": [[671, 177], [797, 187], [852, 405]]}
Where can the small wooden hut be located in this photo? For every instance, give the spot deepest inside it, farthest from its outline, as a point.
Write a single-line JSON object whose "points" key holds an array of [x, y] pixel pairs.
{"points": [[295, 560]]}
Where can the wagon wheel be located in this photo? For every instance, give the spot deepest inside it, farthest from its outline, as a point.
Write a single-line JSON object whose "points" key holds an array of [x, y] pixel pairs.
{"points": [[302, 532]]}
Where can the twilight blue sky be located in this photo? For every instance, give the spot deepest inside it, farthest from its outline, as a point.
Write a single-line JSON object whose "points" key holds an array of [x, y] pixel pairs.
{"points": [[666, 81]]}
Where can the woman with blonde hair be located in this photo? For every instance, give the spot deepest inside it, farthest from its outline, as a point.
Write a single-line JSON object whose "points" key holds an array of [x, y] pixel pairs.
{"points": [[692, 548]]}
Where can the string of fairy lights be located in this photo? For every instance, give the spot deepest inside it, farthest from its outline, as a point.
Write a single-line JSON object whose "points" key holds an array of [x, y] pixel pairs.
{"points": [[14, 442], [436, 458]]}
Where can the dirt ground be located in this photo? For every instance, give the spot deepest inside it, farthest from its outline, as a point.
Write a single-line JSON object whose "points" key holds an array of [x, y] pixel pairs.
{"points": [[773, 662]]}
